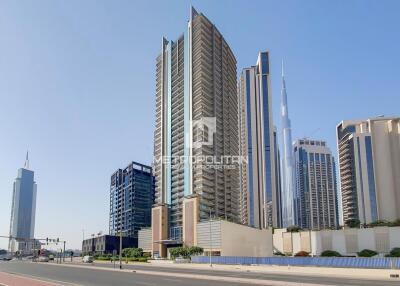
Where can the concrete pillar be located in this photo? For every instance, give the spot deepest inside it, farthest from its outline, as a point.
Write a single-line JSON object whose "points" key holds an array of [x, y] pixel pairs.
{"points": [[190, 218], [159, 228]]}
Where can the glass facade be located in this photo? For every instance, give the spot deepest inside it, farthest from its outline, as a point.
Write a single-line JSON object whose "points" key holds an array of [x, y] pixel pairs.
{"points": [[23, 209], [249, 150], [371, 178], [131, 199]]}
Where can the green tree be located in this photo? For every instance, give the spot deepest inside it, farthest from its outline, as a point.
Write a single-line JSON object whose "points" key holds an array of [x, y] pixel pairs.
{"points": [[195, 250]]}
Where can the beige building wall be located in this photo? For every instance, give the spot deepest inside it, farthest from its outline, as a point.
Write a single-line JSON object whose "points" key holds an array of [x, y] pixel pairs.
{"points": [[231, 239], [191, 216], [240, 240], [344, 241], [145, 239]]}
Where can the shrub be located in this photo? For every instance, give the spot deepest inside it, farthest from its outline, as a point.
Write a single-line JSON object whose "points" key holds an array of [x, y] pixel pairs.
{"points": [[185, 252], [379, 223], [395, 252], [395, 223], [142, 259], [330, 253], [278, 253], [302, 254], [133, 259], [353, 223], [367, 253], [132, 252], [293, 228], [195, 250]]}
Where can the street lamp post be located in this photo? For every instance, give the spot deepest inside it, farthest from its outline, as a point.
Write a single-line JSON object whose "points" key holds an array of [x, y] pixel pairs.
{"points": [[210, 241], [64, 252], [120, 248]]}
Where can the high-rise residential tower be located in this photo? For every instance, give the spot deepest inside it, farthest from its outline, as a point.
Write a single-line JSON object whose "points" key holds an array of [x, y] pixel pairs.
{"points": [[196, 126], [369, 160], [288, 180], [131, 199], [260, 187], [23, 210], [316, 189]]}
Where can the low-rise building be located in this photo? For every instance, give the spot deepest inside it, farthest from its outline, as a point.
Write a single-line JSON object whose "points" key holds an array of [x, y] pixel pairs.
{"points": [[220, 237], [107, 244]]}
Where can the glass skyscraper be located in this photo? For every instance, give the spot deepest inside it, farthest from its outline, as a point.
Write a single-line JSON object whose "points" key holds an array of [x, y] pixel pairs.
{"points": [[260, 182], [131, 199], [196, 119], [315, 198], [288, 179], [23, 210]]}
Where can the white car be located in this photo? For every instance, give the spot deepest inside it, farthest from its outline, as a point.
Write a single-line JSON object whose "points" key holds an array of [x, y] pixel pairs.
{"points": [[87, 259], [43, 258]]}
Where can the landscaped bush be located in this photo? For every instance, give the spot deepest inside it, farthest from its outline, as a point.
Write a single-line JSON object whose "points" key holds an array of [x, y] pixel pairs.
{"points": [[142, 259], [367, 253], [132, 259], [147, 254], [185, 252], [278, 253], [293, 228], [132, 252], [353, 223], [330, 253], [302, 254], [395, 252], [195, 250], [384, 223]]}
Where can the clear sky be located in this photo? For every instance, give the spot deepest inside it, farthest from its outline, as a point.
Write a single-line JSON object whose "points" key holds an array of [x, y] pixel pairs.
{"points": [[77, 85]]}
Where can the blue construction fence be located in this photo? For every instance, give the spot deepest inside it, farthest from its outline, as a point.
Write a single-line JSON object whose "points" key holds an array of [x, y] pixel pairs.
{"points": [[341, 262]]}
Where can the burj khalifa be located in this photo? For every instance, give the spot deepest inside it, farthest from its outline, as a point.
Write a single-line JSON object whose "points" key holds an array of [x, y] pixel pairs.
{"points": [[288, 180]]}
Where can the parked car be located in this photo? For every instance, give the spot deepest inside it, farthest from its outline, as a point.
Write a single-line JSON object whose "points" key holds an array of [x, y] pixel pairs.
{"points": [[87, 259], [43, 258], [6, 258], [51, 257]]}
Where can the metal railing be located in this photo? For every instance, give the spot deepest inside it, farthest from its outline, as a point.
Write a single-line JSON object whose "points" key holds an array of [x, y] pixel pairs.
{"points": [[339, 262]]}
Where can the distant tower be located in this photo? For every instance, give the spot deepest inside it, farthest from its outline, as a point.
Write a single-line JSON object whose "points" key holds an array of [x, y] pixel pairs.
{"points": [[23, 209], [288, 182], [259, 196]]}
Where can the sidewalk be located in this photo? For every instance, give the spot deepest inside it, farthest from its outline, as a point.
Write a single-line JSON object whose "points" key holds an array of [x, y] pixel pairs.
{"points": [[15, 280]]}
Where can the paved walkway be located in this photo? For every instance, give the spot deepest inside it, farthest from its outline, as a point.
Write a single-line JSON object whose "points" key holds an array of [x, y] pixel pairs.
{"points": [[7, 279]]}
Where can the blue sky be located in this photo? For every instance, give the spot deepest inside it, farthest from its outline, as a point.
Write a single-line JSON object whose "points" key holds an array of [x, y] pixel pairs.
{"points": [[77, 85]]}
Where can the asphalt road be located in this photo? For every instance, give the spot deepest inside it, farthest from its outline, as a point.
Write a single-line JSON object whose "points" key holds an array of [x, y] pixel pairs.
{"points": [[72, 276], [255, 275]]}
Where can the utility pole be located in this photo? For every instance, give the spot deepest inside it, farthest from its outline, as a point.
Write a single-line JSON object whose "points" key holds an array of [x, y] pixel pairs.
{"points": [[210, 241], [64, 252], [120, 248]]}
